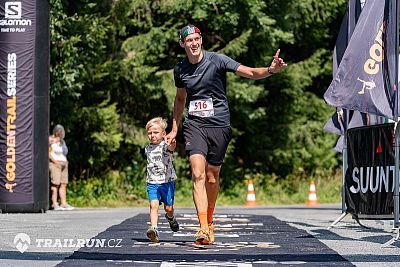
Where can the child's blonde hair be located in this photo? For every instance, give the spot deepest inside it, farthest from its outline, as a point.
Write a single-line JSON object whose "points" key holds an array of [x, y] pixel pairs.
{"points": [[159, 121]]}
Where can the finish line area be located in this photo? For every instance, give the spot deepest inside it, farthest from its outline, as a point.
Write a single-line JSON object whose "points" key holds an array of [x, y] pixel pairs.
{"points": [[240, 240]]}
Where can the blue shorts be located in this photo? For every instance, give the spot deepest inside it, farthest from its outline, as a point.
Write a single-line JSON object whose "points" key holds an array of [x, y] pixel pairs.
{"points": [[162, 192]]}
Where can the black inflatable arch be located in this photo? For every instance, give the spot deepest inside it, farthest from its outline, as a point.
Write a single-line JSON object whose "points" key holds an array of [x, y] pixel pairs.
{"points": [[24, 105]]}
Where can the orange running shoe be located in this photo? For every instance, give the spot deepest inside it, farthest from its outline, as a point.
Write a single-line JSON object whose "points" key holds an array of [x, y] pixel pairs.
{"points": [[202, 237], [211, 232]]}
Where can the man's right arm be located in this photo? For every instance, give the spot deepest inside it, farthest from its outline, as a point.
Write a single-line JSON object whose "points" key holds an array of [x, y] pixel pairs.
{"points": [[179, 106]]}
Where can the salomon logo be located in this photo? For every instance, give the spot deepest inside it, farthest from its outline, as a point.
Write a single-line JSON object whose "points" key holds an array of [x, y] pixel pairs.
{"points": [[13, 10]]}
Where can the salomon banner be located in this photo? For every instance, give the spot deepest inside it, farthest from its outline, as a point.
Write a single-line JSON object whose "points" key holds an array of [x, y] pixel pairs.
{"points": [[369, 181], [24, 49]]}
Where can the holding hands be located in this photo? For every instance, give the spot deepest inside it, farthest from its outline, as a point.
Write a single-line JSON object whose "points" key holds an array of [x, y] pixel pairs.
{"points": [[169, 139], [171, 144]]}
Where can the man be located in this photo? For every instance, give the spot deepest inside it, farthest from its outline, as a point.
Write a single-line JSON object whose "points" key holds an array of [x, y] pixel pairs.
{"points": [[201, 85]]}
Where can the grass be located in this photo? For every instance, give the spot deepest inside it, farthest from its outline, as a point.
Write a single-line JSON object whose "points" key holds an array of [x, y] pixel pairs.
{"points": [[268, 191]]}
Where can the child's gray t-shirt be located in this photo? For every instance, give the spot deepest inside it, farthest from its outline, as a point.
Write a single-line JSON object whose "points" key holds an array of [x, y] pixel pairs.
{"points": [[160, 168]]}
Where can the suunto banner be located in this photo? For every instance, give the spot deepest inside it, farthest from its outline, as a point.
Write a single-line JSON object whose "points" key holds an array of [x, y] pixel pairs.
{"points": [[369, 181]]}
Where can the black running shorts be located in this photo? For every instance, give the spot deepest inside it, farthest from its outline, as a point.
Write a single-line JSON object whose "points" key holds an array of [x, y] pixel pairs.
{"points": [[211, 142]]}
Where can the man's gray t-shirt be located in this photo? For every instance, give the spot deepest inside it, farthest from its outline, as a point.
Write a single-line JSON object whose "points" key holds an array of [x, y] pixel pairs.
{"points": [[205, 84]]}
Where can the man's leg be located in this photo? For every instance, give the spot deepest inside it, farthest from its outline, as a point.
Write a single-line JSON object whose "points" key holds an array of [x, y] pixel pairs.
{"points": [[198, 164], [218, 139], [212, 187]]}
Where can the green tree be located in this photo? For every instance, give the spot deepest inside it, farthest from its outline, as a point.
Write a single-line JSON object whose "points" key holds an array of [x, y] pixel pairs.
{"points": [[80, 74]]}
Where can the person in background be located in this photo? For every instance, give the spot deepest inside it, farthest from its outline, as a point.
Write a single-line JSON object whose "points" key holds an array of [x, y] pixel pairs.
{"points": [[58, 166], [201, 86], [160, 177]]}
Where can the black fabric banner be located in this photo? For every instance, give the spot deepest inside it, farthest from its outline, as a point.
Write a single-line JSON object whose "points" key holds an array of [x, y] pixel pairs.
{"points": [[365, 79], [349, 22], [338, 124], [369, 181], [24, 54]]}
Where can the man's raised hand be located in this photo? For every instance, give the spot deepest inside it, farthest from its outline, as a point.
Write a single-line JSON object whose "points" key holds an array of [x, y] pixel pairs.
{"points": [[277, 63]]}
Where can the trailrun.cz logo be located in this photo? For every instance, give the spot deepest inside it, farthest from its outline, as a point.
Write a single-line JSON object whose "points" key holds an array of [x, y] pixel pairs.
{"points": [[22, 242]]}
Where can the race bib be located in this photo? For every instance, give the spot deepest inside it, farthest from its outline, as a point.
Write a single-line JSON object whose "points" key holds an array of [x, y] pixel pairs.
{"points": [[201, 108]]}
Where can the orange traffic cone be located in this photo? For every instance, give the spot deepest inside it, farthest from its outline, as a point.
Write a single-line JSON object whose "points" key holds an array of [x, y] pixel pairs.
{"points": [[312, 195], [251, 196]]}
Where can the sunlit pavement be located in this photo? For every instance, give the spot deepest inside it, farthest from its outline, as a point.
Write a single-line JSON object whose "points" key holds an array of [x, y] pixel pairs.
{"points": [[259, 236]]}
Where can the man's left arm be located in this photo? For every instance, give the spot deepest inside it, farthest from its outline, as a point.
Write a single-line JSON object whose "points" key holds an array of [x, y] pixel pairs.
{"points": [[277, 65], [253, 73]]}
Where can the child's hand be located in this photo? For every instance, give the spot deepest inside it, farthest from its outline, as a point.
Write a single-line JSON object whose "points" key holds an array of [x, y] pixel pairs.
{"points": [[169, 137]]}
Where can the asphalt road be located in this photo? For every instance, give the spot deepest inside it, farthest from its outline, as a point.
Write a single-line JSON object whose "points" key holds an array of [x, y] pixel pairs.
{"points": [[259, 236]]}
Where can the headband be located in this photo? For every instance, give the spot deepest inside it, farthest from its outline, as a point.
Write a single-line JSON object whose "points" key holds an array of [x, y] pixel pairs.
{"points": [[185, 31]]}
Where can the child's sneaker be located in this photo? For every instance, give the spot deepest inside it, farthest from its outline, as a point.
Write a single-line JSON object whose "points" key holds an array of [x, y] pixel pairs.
{"points": [[211, 232], [173, 224], [152, 234], [202, 237]]}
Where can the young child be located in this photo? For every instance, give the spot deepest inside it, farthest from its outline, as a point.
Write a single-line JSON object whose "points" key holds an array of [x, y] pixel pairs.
{"points": [[160, 176]]}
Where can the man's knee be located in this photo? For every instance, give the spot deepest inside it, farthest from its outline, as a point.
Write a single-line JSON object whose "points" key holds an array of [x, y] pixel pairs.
{"points": [[212, 174], [198, 175], [211, 179]]}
